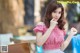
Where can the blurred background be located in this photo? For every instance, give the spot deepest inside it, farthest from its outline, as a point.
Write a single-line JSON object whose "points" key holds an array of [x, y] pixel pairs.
{"points": [[19, 17]]}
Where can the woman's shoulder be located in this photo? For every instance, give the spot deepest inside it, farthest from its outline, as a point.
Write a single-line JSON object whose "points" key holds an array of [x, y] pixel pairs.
{"points": [[40, 23], [39, 27]]}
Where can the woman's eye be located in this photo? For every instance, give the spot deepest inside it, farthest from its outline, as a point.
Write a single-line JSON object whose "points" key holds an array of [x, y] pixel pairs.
{"points": [[59, 12]]}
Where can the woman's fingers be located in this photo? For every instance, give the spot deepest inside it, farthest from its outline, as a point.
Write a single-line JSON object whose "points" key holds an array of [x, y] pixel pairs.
{"points": [[74, 30], [54, 22], [54, 19]]}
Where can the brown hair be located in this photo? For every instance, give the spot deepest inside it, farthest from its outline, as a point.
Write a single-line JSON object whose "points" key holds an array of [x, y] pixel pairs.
{"points": [[50, 8]]}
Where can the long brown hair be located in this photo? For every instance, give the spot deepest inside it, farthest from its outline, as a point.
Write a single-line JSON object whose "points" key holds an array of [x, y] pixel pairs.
{"points": [[50, 8]]}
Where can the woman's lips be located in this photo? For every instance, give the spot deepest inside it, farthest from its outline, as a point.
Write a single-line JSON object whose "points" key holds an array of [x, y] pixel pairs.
{"points": [[56, 18]]}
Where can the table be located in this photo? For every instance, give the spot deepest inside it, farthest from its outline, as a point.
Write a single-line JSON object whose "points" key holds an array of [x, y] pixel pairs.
{"points": [[30, 40]]}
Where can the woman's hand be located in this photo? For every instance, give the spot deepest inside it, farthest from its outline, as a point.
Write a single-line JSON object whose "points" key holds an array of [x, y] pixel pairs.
{"points": [[53, 23], [73, 31]]}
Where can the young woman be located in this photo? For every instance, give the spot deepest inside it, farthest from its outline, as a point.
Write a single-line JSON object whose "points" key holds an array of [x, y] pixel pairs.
{"points": [[50, 33]]}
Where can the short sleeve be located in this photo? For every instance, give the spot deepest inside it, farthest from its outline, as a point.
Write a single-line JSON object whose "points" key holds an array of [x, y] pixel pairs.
{"points": [[39, 28]]}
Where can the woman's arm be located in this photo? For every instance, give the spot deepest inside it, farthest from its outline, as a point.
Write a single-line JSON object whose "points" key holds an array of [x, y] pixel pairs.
{"points": [[67, 41], [41, 39]]}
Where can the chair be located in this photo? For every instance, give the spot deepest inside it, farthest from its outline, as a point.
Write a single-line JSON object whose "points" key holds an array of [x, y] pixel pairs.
{"points": [[5, 41], [76, 43]]}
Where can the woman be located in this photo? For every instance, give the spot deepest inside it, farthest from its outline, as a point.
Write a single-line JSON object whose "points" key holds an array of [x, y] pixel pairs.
{"points": [[50, 33]]}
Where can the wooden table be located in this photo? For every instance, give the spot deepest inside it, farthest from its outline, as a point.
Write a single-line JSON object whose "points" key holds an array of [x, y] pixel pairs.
{"points": [[23, 43]]}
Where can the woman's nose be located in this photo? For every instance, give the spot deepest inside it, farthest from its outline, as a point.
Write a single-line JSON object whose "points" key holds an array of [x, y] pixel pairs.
{"points": [[57, 14]]}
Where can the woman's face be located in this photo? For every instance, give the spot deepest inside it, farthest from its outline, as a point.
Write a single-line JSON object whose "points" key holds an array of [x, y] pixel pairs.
{"points": [[56, 14]]}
